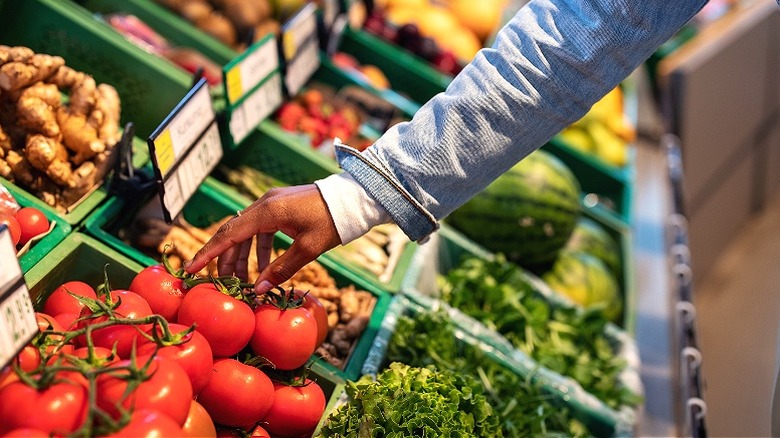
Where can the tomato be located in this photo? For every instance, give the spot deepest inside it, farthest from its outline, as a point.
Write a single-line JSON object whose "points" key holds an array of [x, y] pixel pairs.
{"points": [[260, 432], [314, 305], [61, 300], [149, 423], [32, 223], [7, 376], [67, 320], [224, 321], [101, 356], [29, 358], [237, 395], [61, 408], [199, 424], [13, 227], [286, 338], [167, 389], [194, 355], [132, 306], [296, 410], [26, 432], [53, 342], [160, 289]]}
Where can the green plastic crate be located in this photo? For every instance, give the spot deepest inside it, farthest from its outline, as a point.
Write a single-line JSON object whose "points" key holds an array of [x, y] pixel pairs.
{"points": [[599, 419], [147, 88], [209, 205], [42, 246]]}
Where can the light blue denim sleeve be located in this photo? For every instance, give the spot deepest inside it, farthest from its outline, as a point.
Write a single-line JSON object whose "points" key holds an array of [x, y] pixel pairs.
{"points": [[548, 65]]}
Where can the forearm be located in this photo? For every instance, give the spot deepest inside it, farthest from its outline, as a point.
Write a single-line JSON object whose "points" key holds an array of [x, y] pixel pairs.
{"points": [[546, 68]]}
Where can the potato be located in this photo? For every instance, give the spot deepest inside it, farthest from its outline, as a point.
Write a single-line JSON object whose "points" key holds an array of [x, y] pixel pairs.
{"points": [[195, 11], [242, 13], [218, 26]]}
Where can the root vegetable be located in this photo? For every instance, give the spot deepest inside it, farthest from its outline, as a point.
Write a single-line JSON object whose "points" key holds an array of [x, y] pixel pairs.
{"points": [[243, 14], [79, 136], [21, 169], [50, 156], [48, 93], [106, 113], [36, 115], [218, 26], [195, 11], [15, 75]]}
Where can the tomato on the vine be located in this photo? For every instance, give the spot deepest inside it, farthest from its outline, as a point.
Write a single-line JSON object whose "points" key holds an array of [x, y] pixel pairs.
{"points": [[161, 289], [225, 322], [29, 358], [166, 388], [285, 336], [32, 223], [199, 423], [193, 354], [237, 394], [61, 300], [297, 409], [51, 342], [132, 306], [26, 432], [60, 408], [148, 423], [314, 305]]}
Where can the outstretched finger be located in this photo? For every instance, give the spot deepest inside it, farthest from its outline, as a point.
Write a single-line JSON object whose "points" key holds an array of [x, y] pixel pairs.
{"points": [[284, 267]]}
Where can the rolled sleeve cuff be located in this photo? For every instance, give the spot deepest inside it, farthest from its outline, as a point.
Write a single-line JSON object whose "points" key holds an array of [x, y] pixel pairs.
{"points": [[354, 212], [413, 219]]}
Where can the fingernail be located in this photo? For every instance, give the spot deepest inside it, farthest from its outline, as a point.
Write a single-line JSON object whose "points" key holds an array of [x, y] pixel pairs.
{"points": [[263, 287], [186, 265]]}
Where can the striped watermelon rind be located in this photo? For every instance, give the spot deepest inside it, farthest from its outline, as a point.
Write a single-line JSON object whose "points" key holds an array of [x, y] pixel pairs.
{"points": [[527, 213]]}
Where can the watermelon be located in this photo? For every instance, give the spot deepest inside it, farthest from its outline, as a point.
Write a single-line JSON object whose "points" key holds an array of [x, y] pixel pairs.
{"points": [[528, 213], [587, 281], [591, 237]]}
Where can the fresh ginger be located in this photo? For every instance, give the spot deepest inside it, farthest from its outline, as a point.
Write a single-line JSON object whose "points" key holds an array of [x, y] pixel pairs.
{"points": [[50, 156], [79, 136], [15, 75], [37, 116]]}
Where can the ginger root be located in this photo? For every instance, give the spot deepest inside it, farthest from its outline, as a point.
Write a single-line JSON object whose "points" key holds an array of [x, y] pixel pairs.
{"points": [[15, 75], [35, 115], [50, 156], [79, 136]]}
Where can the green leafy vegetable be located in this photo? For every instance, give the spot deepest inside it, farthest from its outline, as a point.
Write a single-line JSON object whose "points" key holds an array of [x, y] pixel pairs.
{"points": [[409, 401], [567, 340], [523, 409]]}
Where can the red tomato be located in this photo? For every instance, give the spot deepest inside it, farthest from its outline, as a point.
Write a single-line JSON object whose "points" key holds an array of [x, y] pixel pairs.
{"points": [[29, 358], [26, 432], [101, 356], [198, 424], [32, 223], [237, 395], [133, 306], [298, 342], [61, 408], [60, 300], [224, 321], [260, 432], [149, 423], [194, 355], [161, 290], [53, 342], [13, 227], [296, 410], [7, 376], [314, 305], [67, 320], [167, 389]]}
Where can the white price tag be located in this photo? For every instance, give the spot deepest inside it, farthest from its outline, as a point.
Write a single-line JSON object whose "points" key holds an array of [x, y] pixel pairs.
{"points": [[185, 148], [251, 68], [256, 107], [192, 170], [300, 47], [17, 316]]}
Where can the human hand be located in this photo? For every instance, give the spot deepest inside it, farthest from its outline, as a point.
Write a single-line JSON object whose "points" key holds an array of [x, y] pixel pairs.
{"points": [[297, 211]]}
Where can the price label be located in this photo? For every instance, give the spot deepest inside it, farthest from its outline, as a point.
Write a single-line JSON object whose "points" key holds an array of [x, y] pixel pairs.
{"points": [[248, 70], [185, 148], [256, 107], [17, 316], [300, 48]]}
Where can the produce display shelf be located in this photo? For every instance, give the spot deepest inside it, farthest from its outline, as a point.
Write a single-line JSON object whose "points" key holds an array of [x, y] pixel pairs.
{"points": [[39, 247], [446, 249], [599, 419], [147, 89], [209, 205]]}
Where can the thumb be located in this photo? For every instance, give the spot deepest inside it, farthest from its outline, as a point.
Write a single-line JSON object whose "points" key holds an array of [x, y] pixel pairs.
{"points": [[284, 267]]}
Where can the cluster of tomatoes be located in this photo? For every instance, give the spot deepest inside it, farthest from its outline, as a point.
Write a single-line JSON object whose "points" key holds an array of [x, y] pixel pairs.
{"points": [[168, 356], [25, 224]]}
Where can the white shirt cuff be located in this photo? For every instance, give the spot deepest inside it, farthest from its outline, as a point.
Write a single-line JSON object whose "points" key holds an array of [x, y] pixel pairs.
{"points": [[353, 210]]}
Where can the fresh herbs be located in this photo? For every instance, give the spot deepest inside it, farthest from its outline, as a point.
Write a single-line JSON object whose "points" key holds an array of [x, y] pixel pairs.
{"points": [[415, 402], [567, 340]]}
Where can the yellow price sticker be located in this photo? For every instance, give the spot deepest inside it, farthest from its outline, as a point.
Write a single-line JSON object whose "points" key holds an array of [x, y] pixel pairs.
{"points": [[233, 83], [163, 150], [289, 45]]}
